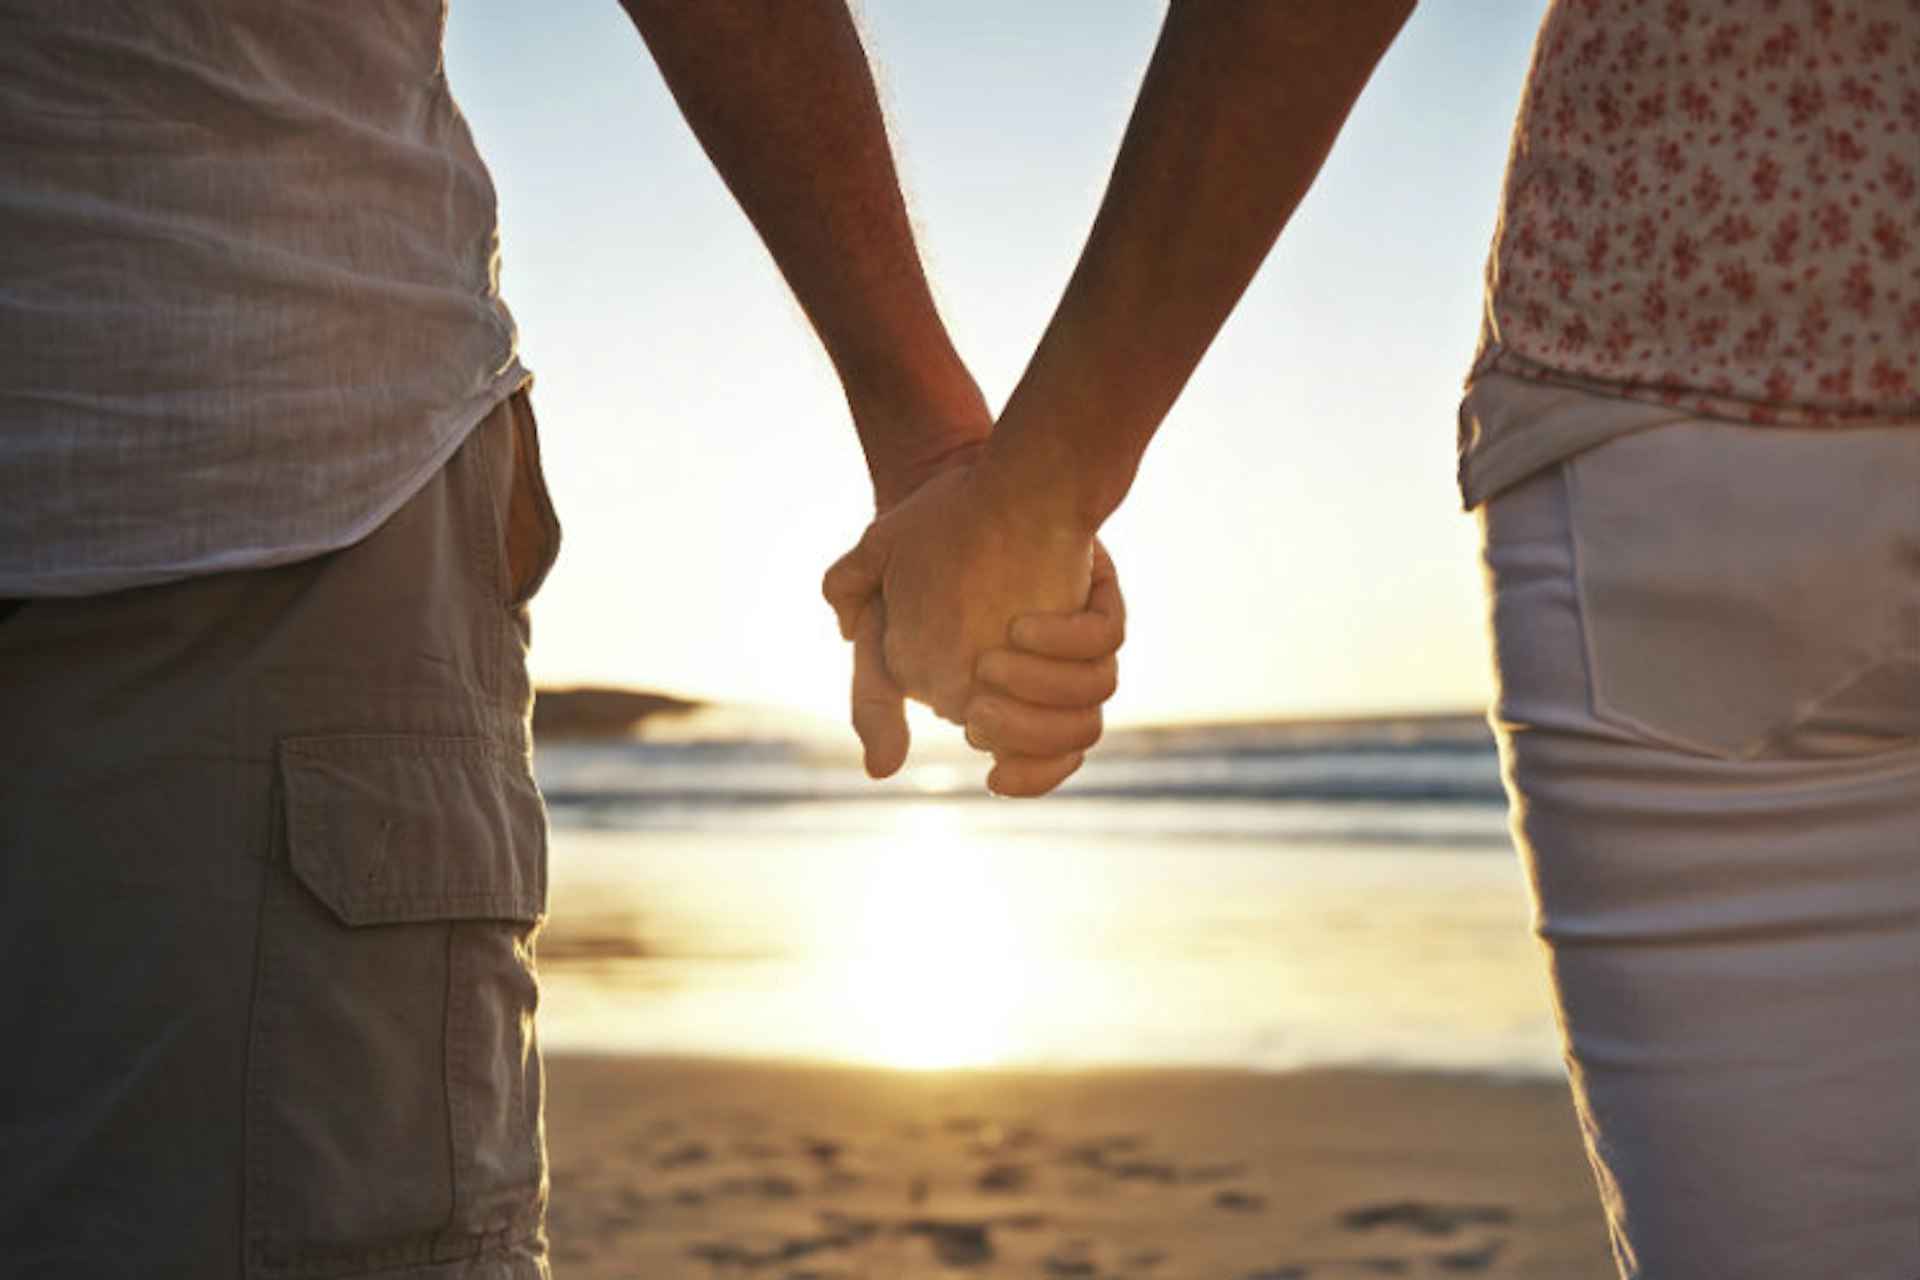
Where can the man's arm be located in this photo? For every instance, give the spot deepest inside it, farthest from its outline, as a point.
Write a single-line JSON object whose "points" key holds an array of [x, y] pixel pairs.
{"points": [[1239, 107], [780, 95]]}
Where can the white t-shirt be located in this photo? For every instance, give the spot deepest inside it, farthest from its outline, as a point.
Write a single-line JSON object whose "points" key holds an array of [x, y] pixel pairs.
{"points": [[249, 288]]}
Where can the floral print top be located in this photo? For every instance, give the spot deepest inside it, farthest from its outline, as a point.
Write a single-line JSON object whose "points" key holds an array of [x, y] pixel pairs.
{"points": [[1713, 205]]}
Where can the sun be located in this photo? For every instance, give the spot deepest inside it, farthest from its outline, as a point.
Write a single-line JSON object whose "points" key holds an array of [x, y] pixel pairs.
{"points": [[934, 969]]}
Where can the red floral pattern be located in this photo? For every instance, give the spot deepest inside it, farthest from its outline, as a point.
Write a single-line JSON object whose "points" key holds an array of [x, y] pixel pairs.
{"points": [[1716, 204]]}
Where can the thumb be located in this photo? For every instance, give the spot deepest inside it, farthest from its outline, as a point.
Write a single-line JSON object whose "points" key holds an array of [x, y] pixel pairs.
{"points": [[852, 579], [879, 707]]}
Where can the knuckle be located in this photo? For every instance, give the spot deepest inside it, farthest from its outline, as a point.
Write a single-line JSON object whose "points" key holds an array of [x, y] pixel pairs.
{"points": [[839, 579], [1086, 731], [994, 668], [1036, 779], [1057, 733], [1059, 770], [1106, 680], [1043, 775]]}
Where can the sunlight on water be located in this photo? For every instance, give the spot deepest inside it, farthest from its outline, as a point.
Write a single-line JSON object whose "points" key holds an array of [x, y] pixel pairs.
{"points": [[932, 958], [936, 779], [932, 934]]}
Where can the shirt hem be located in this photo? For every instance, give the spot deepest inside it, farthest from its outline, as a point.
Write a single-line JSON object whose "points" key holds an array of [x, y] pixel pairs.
{"points": [[105, 579]]}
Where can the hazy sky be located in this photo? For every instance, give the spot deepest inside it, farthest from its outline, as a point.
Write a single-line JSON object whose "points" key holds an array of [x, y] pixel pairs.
{"points": [[1294, 544]]}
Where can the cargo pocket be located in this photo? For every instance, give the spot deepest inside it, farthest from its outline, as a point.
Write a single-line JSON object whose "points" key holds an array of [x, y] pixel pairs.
{"points": [[1744, 593], [393, 1094]]}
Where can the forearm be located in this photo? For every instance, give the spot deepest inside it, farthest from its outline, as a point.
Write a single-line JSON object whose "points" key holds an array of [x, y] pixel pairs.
{"points": [[780, 95], [1239, 107]]}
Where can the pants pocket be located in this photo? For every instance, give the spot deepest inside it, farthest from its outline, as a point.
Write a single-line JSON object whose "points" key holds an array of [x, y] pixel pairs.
{"points": [[521, 538], [394, 1085], [1746, 592], [532, 528]]}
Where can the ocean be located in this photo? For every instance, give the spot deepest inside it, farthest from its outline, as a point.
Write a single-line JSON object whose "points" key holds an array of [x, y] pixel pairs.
{"points": [[1265, 896]]}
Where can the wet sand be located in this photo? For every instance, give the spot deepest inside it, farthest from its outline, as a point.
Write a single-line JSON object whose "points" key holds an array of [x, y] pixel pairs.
{"points": [[686, 1168]]}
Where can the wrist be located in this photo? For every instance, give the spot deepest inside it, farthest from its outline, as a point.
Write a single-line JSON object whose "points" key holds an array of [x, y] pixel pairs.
{"points": [[897, 481], [1039, 467], [1033, 485], [913, 428]]}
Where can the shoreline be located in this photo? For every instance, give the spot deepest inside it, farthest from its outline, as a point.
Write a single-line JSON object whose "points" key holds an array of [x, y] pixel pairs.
{"points": [[718, 1167]]}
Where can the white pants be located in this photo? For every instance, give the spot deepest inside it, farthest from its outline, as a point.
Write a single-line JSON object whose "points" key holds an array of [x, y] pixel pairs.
{"points": [[1708, 641]]}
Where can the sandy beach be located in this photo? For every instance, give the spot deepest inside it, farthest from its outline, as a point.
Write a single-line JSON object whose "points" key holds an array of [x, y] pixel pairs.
{"points": [[671, 1168]]}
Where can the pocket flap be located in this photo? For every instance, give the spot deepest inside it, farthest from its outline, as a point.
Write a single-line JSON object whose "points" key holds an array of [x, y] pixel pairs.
{"points": [[393, 829]]}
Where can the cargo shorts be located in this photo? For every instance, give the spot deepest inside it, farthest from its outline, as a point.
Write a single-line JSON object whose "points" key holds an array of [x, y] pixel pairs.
{"points": [[271, 865]]}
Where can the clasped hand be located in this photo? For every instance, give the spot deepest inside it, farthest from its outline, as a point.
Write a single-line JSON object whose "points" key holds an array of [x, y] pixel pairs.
{"points": [[965, 598]]}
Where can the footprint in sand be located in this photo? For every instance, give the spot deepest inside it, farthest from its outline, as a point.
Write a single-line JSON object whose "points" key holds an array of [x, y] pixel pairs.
{"points": [[1145, 1171], [687, 1153], [1471, 1259], [1424, 1218], [822, 1151], [723, 1254], [1101, 1153], [1005, 1178], [765, 1187], [957, 1244], [1071, 1260], [1346, 1266]]}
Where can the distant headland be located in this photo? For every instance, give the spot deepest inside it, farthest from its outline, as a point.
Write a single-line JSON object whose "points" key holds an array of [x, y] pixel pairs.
{"points": [[590, 711]]}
